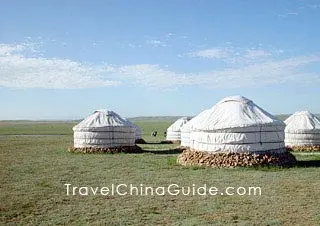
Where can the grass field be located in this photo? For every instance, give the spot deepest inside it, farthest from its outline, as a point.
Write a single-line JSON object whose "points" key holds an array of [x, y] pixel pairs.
{"points": [[34, 170]]}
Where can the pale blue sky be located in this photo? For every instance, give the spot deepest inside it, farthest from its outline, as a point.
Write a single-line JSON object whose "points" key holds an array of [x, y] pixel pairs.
{"points": [[64, 59]]}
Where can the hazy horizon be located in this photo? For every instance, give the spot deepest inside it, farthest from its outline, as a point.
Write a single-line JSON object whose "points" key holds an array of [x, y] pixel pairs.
{"points": [[160, 117]]}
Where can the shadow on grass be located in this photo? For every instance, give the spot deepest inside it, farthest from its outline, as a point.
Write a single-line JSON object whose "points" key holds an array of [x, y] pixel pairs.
{"points": [[308, 163], [137, 151], [160, 142], [164, 152], [153, 143]]}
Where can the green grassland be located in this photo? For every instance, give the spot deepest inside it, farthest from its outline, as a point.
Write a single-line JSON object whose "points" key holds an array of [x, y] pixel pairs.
{"points": [[65, 128], [34, 170]]}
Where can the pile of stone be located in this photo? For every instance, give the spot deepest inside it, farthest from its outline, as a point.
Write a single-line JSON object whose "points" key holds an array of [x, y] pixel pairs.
{"points": [[309, 148], [94, 150], [231, 160]]}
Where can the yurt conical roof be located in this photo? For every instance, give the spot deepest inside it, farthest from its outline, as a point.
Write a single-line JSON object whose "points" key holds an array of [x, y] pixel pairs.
{"points": [[194, 121], [174, 131], [237, 113], [176, 126], [100, 119], [236, 124], [104, 128], [302, 128], [302, 121]]}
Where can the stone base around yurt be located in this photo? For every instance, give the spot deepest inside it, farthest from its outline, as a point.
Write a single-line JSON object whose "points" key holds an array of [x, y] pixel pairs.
{"points": [[304, 148], [232, 159], [111, 150]]}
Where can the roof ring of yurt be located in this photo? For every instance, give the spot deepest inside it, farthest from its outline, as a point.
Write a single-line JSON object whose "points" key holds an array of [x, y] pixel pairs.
{"points": [[236, 132], [104, 131]]}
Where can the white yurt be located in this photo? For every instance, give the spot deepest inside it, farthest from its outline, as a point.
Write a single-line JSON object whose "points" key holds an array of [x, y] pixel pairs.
{"points": [[138, 129], [174, 131], [302, 129], [104, 129], [188, 127], [236, 124]]}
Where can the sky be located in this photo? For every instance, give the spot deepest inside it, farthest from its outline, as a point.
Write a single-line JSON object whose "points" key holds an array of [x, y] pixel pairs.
{"points": [[64, 59]]}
